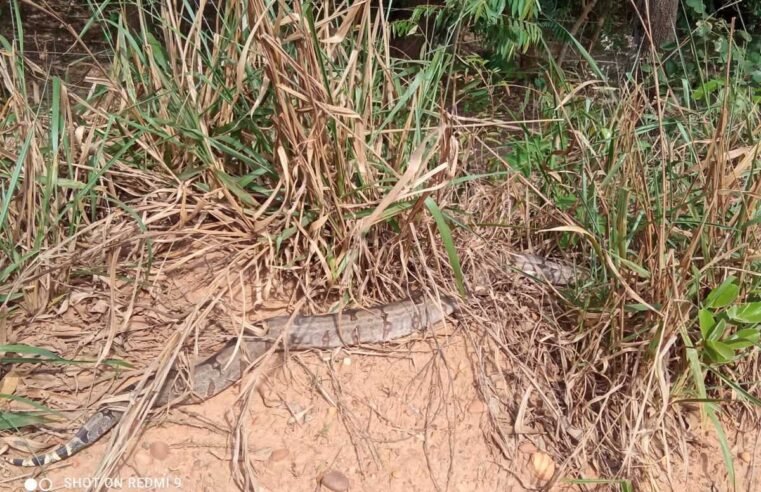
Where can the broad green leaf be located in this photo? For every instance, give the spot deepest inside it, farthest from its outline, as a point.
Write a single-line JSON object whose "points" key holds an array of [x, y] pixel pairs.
{"points": [[738, 343], [705, 318], [746, 313], [718, 331], [708, 88], [723, 295], [697, 5], [750, 334], [719, 351]]}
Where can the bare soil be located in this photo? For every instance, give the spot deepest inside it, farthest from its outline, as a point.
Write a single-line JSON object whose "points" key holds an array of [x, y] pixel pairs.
{"points": [[408, 417], [59, 39]]}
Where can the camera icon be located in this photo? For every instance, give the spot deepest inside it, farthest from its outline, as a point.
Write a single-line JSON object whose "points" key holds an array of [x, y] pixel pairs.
{"points": [[43, 485]]}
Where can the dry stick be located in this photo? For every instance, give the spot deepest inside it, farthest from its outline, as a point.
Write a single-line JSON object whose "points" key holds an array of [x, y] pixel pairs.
{"points": [[139, 411], [579, 447], [664, 149], [649, 383], [596, 36], [483, 381], [428, 419], [439, 352], [347, 417], [428, 368], [752, 467], [247, 476], [432, 364], [560, 214], [112, 309], [582, 442], [123, 238]]}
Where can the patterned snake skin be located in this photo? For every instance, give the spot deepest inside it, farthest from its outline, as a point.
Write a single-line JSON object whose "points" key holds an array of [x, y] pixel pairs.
{"points": [[218, 372], [354, 327]]}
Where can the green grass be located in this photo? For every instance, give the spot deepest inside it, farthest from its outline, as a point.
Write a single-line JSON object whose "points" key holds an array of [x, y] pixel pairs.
{"points": [[321, 160], [659, 193]]}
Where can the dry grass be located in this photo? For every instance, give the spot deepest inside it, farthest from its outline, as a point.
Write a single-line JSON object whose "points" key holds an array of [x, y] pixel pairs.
{"points": [[327, 173]]}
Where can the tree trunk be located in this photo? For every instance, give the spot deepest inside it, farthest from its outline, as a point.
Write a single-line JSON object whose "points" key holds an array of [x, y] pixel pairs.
{"points": [[658, 18]]}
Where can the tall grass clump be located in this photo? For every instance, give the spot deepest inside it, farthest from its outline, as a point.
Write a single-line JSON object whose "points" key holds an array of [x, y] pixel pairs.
{"points": [[283, 135], [294, 128], [656, 186]]}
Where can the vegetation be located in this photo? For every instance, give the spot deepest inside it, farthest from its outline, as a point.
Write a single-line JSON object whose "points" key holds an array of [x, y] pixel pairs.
{"points": [[300, 146]]}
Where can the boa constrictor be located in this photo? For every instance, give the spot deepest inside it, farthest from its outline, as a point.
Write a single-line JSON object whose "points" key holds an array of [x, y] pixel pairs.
{"points": [[353, 327], [224, 368]]}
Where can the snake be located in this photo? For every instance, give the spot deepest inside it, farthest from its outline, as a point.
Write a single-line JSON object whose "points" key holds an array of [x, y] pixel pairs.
{"points": [[218, 372], [353, 327]]}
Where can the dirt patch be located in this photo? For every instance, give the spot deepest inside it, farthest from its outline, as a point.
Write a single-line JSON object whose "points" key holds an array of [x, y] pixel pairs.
{"points": [[695, 457], [385, 430], [404, 417], [408, 420], [411, 416]]}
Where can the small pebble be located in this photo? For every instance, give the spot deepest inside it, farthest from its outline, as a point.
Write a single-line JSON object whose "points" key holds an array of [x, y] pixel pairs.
{"points": [[527, 448], [544, 467], [745, 456], [347, 361], [279, 454], [335, 481], [160, 450], [79, 134], [477, 406], [142, 459]]}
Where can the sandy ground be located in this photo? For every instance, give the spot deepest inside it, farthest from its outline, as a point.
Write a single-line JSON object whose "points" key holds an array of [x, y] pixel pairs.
{"points": [[411, 420], [386, 422], [408, 417]]}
